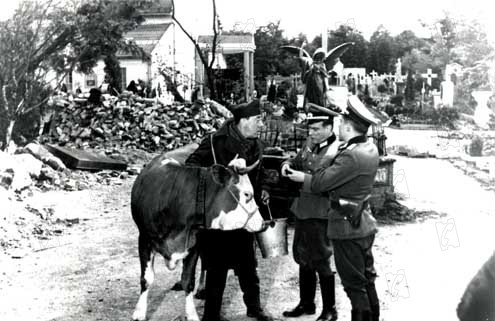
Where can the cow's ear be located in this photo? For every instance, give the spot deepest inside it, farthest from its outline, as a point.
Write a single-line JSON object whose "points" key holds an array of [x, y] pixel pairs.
{"points": [[221, 174]]}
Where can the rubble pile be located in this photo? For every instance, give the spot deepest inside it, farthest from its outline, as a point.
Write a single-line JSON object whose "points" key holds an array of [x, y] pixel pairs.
{"points": [[130, 121], [34, 168]]}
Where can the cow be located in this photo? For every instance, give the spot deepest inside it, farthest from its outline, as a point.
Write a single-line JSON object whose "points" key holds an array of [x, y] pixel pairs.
{"points": [[171, 202]]}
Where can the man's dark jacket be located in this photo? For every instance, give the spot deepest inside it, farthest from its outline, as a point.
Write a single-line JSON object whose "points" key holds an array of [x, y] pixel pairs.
{"points": [[231, 249]]}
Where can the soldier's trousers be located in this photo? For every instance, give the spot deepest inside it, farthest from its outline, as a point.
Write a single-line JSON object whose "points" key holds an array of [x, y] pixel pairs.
{"points": [[355, 265]]}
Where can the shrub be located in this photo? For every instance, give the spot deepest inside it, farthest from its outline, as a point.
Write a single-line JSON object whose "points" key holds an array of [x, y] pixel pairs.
{"points": [[447, 116], [382, 88], [397, 100], [476, 146]]}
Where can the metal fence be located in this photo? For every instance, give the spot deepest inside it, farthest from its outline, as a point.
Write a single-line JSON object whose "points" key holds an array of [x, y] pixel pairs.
{"points": [[284, 134]]}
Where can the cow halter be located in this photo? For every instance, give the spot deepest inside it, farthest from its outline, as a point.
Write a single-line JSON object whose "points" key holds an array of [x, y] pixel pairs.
{"points": [[250, 214]]}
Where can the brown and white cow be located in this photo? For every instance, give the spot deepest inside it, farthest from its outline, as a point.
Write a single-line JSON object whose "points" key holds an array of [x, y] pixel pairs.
{"points": [[171, 202]]}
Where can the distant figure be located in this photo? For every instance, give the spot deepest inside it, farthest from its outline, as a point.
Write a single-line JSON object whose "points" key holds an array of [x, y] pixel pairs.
{"points": [[272, 92], [94, 96], [63, 88], [194, 95], [255, 94], [132, 87], [141, 85]]}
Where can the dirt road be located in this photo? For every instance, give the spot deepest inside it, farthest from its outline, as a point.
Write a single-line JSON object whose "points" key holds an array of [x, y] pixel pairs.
{"points": [[93, 272]]}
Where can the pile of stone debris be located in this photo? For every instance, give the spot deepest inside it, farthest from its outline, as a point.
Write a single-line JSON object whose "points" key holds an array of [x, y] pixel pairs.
{"points": [[130, 121], [29, 170]]}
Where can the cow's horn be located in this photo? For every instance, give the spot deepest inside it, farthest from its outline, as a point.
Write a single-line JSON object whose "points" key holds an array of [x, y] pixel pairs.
{"points": [[248, 168]]}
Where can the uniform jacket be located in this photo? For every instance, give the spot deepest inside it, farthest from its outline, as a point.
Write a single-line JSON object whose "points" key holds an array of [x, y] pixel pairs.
{"points": [[478, 300], [350, 177], [309, 158], [228, 249]]}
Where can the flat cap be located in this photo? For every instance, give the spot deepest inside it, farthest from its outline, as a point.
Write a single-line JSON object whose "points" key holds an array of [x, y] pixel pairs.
{"points": [[247, 110]]}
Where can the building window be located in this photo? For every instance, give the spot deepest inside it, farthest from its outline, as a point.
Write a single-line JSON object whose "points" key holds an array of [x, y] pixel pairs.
{"points": [[91, 80]]}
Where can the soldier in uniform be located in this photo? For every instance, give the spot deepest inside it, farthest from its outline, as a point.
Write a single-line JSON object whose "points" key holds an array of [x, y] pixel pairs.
{"points": [[349, 181], [312, 248], [478, 301]]}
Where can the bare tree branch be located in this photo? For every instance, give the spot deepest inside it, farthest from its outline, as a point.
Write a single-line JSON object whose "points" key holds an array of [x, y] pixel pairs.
{"points": [[215, 34]]}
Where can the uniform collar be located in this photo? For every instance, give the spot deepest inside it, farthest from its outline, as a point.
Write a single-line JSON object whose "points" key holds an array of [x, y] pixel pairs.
{"points": [[318, 147], [356, 140]]}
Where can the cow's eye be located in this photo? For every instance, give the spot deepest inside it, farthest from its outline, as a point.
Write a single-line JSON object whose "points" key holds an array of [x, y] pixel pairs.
{"points": [[248, 195]]}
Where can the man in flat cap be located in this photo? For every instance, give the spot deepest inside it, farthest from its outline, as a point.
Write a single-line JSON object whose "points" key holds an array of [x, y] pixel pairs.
{"points": [[311, 247], [349, 181], [224, 250]]}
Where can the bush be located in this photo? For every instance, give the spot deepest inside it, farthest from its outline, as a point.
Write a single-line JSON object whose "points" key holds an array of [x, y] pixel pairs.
{"points": [[446, 117], [476, 146], [397, 100], [382, 88]]}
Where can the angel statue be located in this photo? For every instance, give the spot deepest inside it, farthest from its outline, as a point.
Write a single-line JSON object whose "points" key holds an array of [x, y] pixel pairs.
{"points": [[315, 71]]}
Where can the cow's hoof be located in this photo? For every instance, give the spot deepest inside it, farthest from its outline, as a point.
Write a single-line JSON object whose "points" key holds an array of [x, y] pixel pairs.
{"points": [[139, 315], [200, 295]]}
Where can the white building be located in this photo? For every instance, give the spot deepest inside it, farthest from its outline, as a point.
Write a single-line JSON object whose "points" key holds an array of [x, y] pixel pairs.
{"points": [[164, 43]]}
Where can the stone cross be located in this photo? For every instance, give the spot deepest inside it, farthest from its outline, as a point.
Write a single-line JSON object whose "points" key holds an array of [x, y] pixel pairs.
{"points": [[373, 74], [429, 76]]}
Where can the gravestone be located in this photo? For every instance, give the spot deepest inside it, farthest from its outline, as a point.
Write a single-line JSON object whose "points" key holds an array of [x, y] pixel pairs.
{"points": [[437, 99], [80, 159], [399, 79], [447, 87], [482, 112]]}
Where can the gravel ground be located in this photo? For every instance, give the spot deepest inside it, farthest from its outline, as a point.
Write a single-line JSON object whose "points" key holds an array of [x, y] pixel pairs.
{"points": [[91, 271]]}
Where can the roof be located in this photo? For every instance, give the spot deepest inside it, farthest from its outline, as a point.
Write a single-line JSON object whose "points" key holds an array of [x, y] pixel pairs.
{"points": [[146, 32], [229, 44], [145, 36], [247, 38]]}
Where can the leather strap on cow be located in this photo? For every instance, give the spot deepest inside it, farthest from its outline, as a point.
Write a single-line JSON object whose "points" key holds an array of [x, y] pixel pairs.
{"points": [[201, 196]]}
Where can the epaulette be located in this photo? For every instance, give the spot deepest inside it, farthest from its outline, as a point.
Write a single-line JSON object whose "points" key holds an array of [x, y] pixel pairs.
{"points": [[351, 146]]}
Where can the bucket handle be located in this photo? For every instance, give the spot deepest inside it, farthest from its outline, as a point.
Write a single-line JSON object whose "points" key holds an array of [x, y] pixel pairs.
{"points": [[272, 221]]}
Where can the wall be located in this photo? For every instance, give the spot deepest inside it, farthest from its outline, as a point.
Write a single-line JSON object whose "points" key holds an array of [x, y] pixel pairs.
{"points": [[135, 69], [82, 81]]}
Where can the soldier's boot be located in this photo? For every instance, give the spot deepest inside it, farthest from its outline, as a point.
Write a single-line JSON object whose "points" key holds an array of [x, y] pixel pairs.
{"points": [[360, 315], [307, 291], [374, 302], [327, 287]]}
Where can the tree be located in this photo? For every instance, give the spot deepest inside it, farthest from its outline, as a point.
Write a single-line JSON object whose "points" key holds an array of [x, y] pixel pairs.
{"points": [[45, 41], [357, 55], [382, 51], [268, 58], [406, 41], [203, 54]]}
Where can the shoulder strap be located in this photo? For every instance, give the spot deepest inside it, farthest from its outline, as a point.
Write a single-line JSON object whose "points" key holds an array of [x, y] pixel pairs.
{"points": [[213, 150], [339, 151]]}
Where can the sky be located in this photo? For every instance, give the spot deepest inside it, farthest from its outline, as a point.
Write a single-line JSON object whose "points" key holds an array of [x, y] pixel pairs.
{"points": [[312, 17]]}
